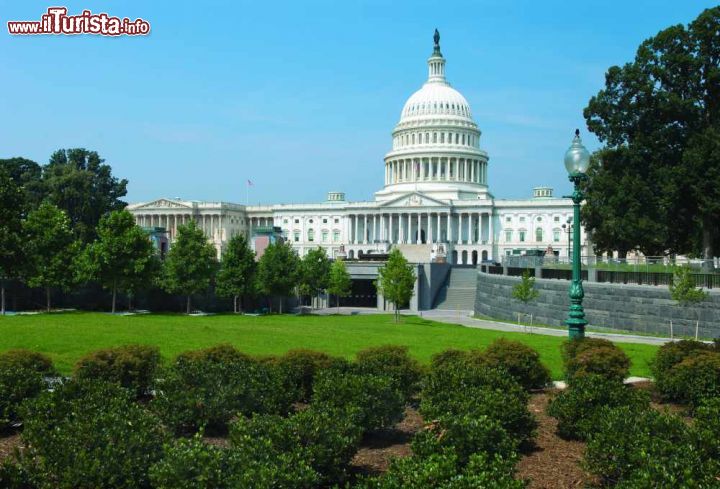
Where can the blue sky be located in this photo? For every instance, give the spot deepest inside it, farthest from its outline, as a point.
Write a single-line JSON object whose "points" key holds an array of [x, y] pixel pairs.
{"points": [[301, 97]]}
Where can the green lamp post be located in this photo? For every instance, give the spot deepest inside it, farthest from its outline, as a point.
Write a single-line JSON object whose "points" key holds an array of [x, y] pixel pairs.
{"points": [[577, 160]]}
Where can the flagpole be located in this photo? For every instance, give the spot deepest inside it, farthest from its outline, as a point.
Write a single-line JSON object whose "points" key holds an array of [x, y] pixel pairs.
{"points": [[247, 192]]}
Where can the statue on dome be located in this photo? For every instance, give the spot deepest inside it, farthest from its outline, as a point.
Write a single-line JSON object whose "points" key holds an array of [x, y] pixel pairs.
{"points": [[436, 38]]}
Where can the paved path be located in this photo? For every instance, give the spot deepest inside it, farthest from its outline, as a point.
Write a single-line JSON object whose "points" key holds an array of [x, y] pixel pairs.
{"points": [[464, 318]]}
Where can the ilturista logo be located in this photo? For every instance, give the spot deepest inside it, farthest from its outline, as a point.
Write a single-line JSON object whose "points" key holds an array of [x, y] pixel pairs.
{"points": [[57, 21]]}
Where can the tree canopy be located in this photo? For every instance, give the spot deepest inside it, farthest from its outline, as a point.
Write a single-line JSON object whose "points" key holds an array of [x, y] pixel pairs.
{"points": [[655, 186], [278, 270], [122, 258], [236, 277], [190, 264], [51, 248], [79, 182], [339, 281], [11, 240], [396, 281], [314, 272]]}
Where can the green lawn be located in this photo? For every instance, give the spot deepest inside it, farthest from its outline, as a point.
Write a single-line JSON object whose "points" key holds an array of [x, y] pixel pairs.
{"points": [[68, 336]]}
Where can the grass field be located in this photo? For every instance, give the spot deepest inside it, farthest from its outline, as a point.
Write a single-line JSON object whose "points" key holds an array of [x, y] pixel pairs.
{"points": [[68, 336]]}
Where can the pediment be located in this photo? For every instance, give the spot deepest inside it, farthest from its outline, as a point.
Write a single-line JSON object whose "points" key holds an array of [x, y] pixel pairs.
{"points": [[164, 204], [414, 199]]}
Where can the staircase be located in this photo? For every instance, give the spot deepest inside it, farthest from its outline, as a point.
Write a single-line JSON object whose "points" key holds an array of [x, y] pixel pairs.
{"points": [[458, 293]]}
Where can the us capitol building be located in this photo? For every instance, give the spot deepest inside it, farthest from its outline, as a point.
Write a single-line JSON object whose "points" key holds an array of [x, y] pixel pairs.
{"points": [[435, 204]]}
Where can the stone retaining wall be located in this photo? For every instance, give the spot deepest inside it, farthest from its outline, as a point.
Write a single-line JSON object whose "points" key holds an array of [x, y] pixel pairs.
{"points": [[638, 308]]}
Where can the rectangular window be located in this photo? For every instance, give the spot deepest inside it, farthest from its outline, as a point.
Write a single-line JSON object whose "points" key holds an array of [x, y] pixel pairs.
{"points": [[557, 218], [296, 236], [508, 236], [324, 236], [522, 236], [336, 236]]}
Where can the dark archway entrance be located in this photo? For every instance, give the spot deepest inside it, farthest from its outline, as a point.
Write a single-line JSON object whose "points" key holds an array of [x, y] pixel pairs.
{"points": [[484, 255], [422, 236], [454, 258], [474, 257], [362, 294]]}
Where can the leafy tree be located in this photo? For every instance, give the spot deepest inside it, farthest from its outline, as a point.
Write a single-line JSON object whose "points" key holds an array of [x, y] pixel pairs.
{"points": [[11, 242], [396, 281], [51, 248], [659, 117], [236, 277], [278, 270], [683, 290], [339, 282], [122, 257], [79, 182], [190, 264], [314, 272], [525, 290], [28, 176]]}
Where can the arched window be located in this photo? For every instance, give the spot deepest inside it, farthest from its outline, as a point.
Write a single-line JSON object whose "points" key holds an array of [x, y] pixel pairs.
{"points": [[538, 234], [311, 235], [463, 139], [427, 137], [442, 137], [434, 137], [413, 138]]}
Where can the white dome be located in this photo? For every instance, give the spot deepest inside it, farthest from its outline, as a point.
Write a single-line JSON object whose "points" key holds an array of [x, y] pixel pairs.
{"points": [[436, 99]]}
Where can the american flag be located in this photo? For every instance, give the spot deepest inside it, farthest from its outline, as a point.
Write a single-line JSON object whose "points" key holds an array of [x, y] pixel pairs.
{"points": [[250, 184]]}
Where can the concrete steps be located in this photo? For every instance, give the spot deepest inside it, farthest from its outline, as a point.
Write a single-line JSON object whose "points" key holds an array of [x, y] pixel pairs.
{"points": [[459, 292]]}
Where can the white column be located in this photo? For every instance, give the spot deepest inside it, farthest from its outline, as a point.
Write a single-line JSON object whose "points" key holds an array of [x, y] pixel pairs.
{"points": [[419, 228], [401, 229], [439, 227], [365, 230], [430, 235], [491, 238], [451, 237], [460, 228], [469, 237]]}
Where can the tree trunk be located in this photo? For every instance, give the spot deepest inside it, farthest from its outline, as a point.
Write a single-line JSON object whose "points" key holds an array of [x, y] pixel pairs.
{"points": [[114, 297], [235, 304], [47, 299], [2, 297], [338, 303], [129, 302], [187, 306], [622, 254], [281, 300]]}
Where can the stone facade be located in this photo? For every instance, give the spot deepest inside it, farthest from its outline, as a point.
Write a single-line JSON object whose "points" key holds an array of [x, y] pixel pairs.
{"points": [[637, 308], [435, 193]]}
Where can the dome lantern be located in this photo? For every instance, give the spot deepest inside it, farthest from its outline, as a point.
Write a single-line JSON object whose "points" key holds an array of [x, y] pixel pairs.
{"points": [[436, 62]]}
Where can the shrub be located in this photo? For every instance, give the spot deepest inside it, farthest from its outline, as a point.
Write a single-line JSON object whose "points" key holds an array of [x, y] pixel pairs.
{"points": [[577, 407], [594, 356], [193, 394], [16, 385], [464, 435], [465, 388], [324, 439], [669, 355], [131, 366], [13, 475], [222, 353], [27, 359], [330, 439], [190, 464], [443, 471], [193, 464], [380, 404], [88, 434], [303, 365], [706, 429], [447, 357], [392, 361], [519, 360], [695, 378], [647, 449]]}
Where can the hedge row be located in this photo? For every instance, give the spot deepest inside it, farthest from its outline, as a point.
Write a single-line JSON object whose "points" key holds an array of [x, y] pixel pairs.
{"points": [[687, 371]]}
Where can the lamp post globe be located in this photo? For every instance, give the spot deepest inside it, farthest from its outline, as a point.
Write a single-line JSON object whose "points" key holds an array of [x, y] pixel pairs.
{"points": [[577, 161]]}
